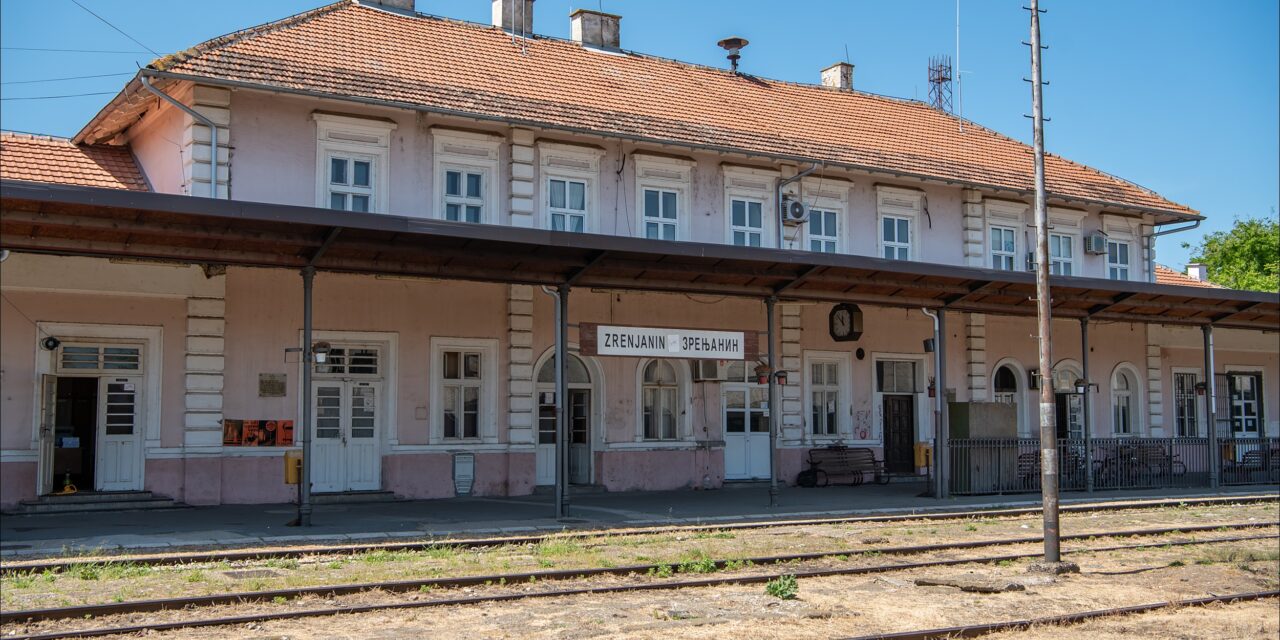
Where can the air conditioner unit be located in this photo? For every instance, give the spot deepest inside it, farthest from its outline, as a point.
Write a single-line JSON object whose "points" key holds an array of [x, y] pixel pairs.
{"points": [[707, 371], [1096, 244], [794, 212]]}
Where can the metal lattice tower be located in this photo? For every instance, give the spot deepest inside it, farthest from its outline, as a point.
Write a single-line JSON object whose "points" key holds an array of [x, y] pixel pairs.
{"points": [[940, 83]]}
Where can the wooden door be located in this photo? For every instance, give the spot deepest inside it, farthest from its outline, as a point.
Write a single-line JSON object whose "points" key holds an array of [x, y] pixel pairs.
{"points": [[899, 433]]}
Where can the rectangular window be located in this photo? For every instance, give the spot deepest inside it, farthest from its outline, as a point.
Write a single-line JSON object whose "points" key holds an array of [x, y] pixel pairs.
{"points": [[824, 231], [567, 200], [1061, 254], [1185, 404], [895, 237], [351, 182], [896, 376], [463, 196], [661, 214], [824, 389], [350, 361], [1004, 250], [1122, 407], [76, 357], [461, 381], [1117, 260], [746, 222]]}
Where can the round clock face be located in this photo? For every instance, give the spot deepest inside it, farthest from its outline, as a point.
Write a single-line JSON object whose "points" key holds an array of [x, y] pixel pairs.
{"points": [[841, 323]]}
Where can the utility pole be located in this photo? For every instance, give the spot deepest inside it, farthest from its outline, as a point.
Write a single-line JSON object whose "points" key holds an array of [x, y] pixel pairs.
{"points": [[1044, 313]]}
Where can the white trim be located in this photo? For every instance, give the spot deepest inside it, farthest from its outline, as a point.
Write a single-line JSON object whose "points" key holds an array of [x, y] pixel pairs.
{"points": [[827, 194], [1172, 428], [389, 374], [923, 405], [745, 183], [597, 386], [19, 455], [894, 202], [468, 152], [684, 390], [570, 163], [844, 394], [344, 135], [1137, 402], [1024, 386], [489, 374], [664, 174]]}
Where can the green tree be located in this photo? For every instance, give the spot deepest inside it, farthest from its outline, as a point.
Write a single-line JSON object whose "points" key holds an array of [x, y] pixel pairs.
{"points": [[1246, 257]]}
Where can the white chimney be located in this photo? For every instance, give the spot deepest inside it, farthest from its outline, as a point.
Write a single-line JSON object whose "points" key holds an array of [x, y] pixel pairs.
{"points": [[398, 6], [838, 76], [1197, 271], [515, 16], [595, 29]]}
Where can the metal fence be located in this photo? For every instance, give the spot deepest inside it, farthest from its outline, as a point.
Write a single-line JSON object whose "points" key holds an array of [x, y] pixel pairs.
{"points": [[1012, 465]]}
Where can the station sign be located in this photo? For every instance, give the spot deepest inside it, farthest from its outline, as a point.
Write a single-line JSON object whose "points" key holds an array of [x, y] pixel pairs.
{"points": [[660, 342]]}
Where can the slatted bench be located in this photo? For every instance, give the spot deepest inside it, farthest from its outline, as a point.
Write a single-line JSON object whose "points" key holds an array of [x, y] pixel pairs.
{"points": [[841, 465]]}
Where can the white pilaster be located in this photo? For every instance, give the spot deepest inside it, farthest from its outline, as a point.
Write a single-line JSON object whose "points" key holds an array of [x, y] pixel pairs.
{"points": [[205, 362], [520, 364], [1155, 390], [523, 174], [973, 228], [975, 346], [213, 103], [792, 363]]}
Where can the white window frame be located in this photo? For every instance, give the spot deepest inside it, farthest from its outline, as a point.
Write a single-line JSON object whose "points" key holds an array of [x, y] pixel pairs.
{"points": [[1067, 223], [1123, 230], [1000, 255], [568, 212], [748, 184], [1199, 417], [570, 163], [826, 194], [466, 152], [354, 138], [660, 173], [1134, 395], [1070, 261], [746, 229], [843, 388], [488, 419], [1005, 214], [684, 425], [1127, 265], [899, 204]]}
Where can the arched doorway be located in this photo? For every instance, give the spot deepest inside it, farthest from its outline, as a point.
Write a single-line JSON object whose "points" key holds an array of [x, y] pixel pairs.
{"points": [[746, 424], [1006, 389], [581, 421], [1069, 403]]}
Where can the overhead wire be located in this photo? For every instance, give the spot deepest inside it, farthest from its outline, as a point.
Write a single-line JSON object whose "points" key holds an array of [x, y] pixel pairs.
{"points": [[118, 29], [54, 50], [100, 75], [69, 95]]}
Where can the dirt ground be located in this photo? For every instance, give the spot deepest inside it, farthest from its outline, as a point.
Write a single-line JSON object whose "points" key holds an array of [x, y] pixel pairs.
{"points": [[93, 584], [837, 606]]}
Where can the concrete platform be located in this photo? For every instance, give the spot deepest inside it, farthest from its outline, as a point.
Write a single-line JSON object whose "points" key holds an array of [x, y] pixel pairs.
{"points": [[265, 524]]}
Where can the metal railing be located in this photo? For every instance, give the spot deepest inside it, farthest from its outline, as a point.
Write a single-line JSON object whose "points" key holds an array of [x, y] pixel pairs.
{"points": [[1012, 465]]}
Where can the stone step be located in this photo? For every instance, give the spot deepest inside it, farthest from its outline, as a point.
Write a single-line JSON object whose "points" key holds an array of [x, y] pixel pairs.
{"points": [[56, 507], [92, 496], [351, 497]]}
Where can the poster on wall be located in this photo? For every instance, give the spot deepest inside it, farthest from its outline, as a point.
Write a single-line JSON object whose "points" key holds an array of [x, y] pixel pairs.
{"points": [[257, 433]]}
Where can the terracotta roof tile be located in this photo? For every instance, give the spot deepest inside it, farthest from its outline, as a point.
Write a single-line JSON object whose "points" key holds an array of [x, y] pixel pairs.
{"points": [[1165, 275], [347, 50], [49, 159]]}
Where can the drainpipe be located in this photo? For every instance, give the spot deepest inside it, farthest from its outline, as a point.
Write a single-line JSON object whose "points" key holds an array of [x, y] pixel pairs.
{"points": [[1151, 246], [213, 132], [940, 434], [777, 200]]}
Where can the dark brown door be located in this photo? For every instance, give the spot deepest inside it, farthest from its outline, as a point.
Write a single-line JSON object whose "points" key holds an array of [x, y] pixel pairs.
{"points": [[899, 433]]}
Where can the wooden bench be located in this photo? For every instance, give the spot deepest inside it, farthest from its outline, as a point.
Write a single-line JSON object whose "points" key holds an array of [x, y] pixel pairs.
{"points": [[841, 465]]}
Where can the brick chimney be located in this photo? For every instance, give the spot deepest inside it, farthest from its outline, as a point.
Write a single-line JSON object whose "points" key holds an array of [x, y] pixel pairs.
{"points": [[515, 16], [595, 29], [399, 6], [838, 76], [1197, 271]]}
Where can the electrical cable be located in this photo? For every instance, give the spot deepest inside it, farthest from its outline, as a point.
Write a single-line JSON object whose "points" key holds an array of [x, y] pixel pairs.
{"points": [[101, 75], [69, 95], [104, 21], [55, 50]]}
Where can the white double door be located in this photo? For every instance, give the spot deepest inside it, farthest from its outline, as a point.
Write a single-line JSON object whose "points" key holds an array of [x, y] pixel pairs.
{"points": [[579, 439], [746, 431], [117, 441], [346, 452]]}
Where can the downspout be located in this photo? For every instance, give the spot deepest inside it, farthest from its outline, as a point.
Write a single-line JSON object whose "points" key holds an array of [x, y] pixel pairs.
{"points": [[777, 199], [1151, 246], [939, 407], [213, 133]]}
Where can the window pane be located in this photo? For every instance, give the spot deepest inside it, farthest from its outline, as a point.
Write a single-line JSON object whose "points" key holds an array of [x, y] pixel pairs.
{"points": [[557, 222], [557, 194], [668, 232], [338, 201], [471, 412], [360, 173], [904, 234], [578, 196], [473, 213], [887, 232], [753, 214], [669, 205], [829, 223], [471, 366], [473, 185], [453, 183], [451, 361], [651, 204], [739, 238], [576, 223], [360, 203], [739, 213], [452, 212], [889, 252], [651, 230], [754, 239], [450, 403], [337, 171]]}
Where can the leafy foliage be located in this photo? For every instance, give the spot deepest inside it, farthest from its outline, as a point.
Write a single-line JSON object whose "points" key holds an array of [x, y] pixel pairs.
{"points": [[782, 587], [1246, 257]]}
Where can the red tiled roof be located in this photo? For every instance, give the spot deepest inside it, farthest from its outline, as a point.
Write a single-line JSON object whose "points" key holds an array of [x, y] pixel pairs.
{"points": [[1165, 275], [57, 160], [350, 51]]}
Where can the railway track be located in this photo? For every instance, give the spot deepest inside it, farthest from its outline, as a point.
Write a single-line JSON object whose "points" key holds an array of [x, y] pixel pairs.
{"points": [[168, 559], [976, 630], [148, 606]]}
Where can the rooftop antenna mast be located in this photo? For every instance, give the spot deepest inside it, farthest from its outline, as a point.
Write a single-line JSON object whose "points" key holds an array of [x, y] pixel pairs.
{"points": [[940, 83], [959, 73]]}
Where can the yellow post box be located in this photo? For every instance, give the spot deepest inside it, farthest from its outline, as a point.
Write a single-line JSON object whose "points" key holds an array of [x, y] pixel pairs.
{"points": [[924, 455], [293, 466]]}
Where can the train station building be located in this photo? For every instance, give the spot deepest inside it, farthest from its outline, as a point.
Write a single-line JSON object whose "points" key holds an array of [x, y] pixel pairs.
{"points": [[376, 228]]}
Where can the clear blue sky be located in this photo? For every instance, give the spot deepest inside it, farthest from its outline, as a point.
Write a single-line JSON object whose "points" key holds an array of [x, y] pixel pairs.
{"points": [[1180, 96]]}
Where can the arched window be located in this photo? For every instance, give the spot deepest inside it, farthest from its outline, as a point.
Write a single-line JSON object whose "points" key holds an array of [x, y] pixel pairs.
{"points": [[575, 372], [1122, 402], [1006, 385], [658, 395]]}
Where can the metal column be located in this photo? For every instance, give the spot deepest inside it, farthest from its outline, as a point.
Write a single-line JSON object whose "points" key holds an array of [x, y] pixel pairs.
{"points": [[942, 457], [304, 435], [1088, 417], [562, 402], [774, 414], [1211, 406]]}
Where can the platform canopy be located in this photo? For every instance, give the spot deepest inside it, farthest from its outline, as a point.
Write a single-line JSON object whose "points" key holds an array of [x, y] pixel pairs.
{"points": [[86, 221]]}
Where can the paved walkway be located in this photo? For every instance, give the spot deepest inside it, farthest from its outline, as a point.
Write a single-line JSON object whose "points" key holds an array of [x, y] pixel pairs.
{"points": [[259, 524]]}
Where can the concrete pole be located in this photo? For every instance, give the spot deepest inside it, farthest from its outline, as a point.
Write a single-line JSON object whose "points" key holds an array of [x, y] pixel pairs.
{"points": [[1088, 416], [1211, 406], [1044, 313], [304, 434], [562, 402], [774, 413]]}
